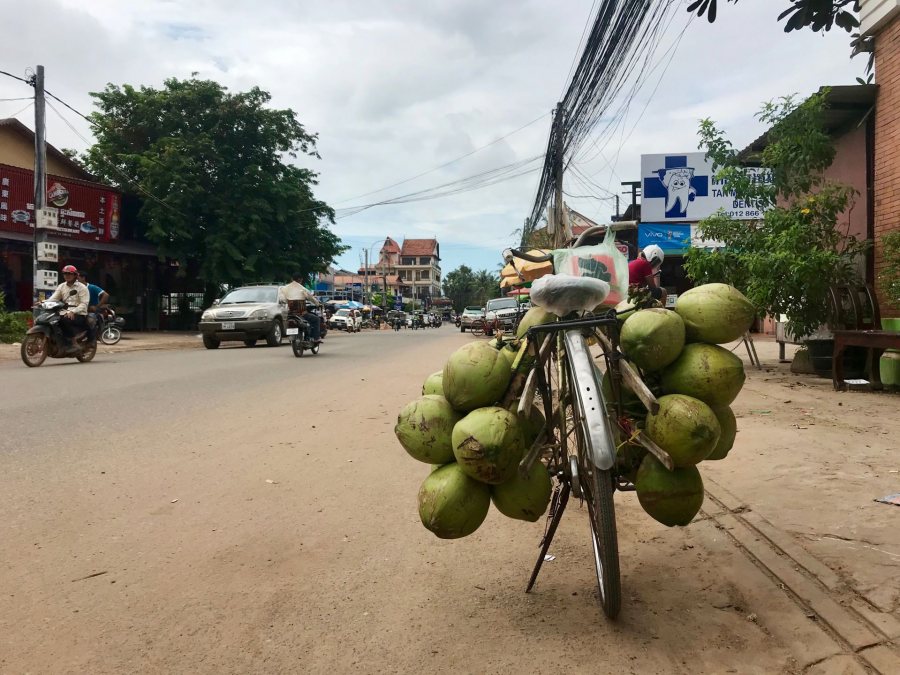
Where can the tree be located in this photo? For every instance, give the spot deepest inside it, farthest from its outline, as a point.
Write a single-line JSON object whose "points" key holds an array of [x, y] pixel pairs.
{"points": [[217, 194], [785, 263], [817, 15], [814, 14], [465, 287]]}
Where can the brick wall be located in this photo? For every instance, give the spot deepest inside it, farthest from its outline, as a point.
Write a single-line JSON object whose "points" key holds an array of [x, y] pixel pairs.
{"points": [[887, 144]]}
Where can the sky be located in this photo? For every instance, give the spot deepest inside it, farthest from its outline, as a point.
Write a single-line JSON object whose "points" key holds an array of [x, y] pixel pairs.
{"points": [[399, 88]]}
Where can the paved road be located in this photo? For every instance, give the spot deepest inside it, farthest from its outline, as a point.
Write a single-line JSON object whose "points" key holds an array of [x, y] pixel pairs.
{"points": [[242, 510]]}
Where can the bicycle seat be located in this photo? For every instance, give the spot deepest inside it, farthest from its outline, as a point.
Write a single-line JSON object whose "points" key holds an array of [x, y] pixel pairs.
{"points": [[562, 294]]}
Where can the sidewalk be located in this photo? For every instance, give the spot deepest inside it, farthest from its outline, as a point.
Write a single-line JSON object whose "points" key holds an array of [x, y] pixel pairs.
{"points": [[796, 494], [131, 342]]}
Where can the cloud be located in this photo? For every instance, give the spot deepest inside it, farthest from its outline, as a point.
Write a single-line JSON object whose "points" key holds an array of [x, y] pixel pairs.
{"points": [[395, 88]]}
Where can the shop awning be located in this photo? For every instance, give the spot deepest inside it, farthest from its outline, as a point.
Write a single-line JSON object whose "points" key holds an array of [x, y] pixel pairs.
{"points": [[130, 248]]}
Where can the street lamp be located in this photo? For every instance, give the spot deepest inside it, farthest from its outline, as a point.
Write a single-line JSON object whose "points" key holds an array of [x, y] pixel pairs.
{"points": [[366, 269]]}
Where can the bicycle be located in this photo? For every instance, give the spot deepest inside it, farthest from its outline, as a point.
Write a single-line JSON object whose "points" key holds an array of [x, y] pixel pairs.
{"points": [[579, 439]]}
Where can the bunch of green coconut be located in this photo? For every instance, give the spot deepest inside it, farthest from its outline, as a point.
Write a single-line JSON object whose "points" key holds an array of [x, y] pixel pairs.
{"points": [[466, 426], [695, 379]]}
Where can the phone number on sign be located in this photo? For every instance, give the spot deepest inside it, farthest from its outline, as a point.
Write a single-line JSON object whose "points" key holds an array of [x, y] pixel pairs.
{"points": [[749, 214]]}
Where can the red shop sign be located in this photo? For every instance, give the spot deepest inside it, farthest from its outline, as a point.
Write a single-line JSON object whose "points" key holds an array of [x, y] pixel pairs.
{"points": [[86, 211]]}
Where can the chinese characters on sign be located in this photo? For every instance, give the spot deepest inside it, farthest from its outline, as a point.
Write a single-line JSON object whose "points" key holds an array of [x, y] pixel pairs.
{"points": [[86, 212]]}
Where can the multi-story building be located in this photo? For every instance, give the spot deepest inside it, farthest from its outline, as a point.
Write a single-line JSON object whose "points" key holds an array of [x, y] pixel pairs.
{"points": [[411, 270], [419, 269]]}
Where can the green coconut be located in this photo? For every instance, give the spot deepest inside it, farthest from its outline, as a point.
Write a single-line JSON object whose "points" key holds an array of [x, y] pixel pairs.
{"points": [[475, 375], [451, 504], [629, 456], [425, 427], [630, 401], [531, 424], [708, 372], [669, 497], [715, 313], [535, 316], [728, 423], [488, 444], [524, 498], [685, 427], [652, 338], [434, 384], [624, 310]]}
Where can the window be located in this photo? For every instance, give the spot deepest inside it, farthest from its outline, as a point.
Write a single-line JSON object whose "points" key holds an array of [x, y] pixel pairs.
{"points": [[424, 261], [423, 275], [407, 261]]}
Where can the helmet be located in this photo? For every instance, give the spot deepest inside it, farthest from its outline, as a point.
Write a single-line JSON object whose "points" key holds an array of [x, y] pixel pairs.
{"points": [[70, 269], [654, 254]]}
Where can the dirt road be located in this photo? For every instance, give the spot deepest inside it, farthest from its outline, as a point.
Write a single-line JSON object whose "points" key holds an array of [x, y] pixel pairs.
{"points": [[245, 511]]}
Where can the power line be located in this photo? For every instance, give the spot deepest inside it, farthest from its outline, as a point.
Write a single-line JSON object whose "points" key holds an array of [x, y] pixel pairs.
{"points": [[110, 163], [20, 98], [446, 164], [30, 103], [29, 82]]}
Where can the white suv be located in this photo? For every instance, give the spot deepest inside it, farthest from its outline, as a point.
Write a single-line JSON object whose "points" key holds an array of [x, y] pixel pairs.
{"points": [[349, 320]]}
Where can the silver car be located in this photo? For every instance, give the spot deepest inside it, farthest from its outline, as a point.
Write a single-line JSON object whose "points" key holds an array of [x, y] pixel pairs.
{"points": [[249, 313], [469, 315]]}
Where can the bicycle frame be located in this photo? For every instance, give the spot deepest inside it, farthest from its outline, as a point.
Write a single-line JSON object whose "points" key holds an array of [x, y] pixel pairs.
{"points": [[583, 383]]}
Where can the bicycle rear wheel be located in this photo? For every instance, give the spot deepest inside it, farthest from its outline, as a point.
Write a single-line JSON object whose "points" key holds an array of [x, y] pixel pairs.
{"points": [[595, 486], [477, 328]]}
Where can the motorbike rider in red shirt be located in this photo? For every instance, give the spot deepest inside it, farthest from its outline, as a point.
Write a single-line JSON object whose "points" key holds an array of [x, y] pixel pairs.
{"points": [[644, 271]]}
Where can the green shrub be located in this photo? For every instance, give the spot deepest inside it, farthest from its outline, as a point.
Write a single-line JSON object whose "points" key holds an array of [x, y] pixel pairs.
{"points": [[12, 324]]}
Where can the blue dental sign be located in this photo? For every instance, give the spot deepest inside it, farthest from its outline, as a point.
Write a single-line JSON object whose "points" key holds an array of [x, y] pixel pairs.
{"points": [[671, 237], [683, 187]]}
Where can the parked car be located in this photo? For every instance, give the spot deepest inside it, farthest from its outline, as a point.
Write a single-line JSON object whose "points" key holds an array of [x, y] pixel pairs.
{"points": [[468, 316], [505, 310], [248, 313], [349, 320]]}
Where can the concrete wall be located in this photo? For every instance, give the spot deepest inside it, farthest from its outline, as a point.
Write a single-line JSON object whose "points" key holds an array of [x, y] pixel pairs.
{"points": [[17, 150], [887, 144]]}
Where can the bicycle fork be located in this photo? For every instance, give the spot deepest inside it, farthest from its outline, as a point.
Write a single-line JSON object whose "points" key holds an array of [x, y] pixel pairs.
{"points": [[557, 507]]}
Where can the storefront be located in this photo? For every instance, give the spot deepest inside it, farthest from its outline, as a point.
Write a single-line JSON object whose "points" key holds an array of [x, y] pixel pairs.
{"points": [[90, 236]]}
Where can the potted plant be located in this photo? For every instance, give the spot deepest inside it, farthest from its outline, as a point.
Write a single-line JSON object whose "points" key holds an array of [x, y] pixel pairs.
{"points": [[889, 283], [786, 262]]}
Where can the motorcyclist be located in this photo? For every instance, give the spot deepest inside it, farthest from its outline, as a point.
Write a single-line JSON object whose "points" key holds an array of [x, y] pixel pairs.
{"points": [[74, 318], [98, 300], [297, 296], [643, 271]]}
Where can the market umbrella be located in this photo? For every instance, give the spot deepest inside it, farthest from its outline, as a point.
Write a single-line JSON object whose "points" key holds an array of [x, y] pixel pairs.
{"points": [[520, 291], [350, 304]]}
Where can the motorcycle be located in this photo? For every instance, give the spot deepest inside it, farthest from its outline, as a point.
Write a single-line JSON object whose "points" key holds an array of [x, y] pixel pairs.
{"points": [[298, 332], [458, 319], [110, 326], [46, 338]]}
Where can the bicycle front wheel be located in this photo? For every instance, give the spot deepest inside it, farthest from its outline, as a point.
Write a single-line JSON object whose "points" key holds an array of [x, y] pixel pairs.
{"points": [[477, 328], [595, 485]]}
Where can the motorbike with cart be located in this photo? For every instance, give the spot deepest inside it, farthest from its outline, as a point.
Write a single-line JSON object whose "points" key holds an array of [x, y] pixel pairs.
{"points": [[298, 330]]}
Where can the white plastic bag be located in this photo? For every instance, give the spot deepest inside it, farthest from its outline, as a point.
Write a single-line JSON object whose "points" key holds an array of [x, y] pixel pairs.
{"points": [[603, 261], [563, 294]]}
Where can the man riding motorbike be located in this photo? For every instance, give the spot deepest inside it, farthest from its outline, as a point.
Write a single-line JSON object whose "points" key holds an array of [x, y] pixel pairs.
{"points": [[75, 318], [96, 303], [297, 296]]}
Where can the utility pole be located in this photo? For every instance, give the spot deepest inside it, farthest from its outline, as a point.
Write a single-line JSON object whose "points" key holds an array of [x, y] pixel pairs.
{"points": [[366, 272], [559, 231], [40, 173]]}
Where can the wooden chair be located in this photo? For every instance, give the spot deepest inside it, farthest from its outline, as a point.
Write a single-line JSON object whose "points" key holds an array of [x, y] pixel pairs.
{"points": [[855, 321]]}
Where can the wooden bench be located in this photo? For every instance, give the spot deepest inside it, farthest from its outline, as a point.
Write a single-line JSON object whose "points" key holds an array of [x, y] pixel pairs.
{"points": [[855, 315]]}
